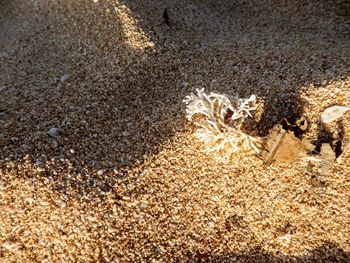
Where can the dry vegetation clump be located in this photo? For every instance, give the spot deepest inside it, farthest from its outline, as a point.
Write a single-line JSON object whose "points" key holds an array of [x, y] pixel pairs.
{"points": [[221, 130]]}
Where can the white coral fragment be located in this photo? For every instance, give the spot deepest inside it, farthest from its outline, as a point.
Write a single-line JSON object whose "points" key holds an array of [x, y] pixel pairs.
{"points": [[332, 113], [221, 130]]}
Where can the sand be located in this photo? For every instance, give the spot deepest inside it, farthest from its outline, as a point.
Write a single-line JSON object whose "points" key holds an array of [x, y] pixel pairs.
{"points": [[122, 178]]}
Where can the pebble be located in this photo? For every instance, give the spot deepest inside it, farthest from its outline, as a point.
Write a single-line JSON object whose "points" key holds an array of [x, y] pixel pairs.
{"points": [[148, 119], [126, 198], [182, 84], [2, 114], [100, 172], [38, 162], [64, 77], [9, 245], [53, 132], [143, 206], [71, 151], [63, 204], [111, 229], [214, 82], [126, 133], [332, 113], [91, 218]]}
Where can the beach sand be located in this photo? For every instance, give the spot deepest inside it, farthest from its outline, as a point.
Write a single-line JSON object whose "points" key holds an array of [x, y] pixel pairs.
{"points": [[122, 178]]}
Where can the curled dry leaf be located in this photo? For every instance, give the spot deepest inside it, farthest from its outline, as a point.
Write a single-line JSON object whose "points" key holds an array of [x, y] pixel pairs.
{"points": [[282, 145]]}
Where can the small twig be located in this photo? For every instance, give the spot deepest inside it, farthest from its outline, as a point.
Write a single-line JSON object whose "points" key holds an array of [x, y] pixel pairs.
{"points": [[166, 17]]}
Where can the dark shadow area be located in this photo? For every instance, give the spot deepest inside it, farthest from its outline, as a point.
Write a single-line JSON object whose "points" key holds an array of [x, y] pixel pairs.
{"points": [[265, 46], [327, 253], [120, 104], [334, 137]]}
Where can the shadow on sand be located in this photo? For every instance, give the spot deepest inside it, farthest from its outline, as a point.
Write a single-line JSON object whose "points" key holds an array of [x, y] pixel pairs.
{"points": [[327, 253], [126, 110]]}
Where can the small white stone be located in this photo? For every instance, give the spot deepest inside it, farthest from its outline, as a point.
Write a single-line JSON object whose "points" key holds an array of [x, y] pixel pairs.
{"points": [[65, 77], [41, 169], [285, 240], [71, 151], [181, 84], [111, 229], [95, 1], [151, 44], [143, 206], [38, 162], [53, 132], [332, 113], [9, 245], [63, 204], [91, 218], [214, 82], [100, 172], [148, 119], [126, 133]]}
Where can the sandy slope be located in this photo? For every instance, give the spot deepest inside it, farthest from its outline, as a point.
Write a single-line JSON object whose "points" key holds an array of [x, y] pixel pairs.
{"points": [[125, 180]]}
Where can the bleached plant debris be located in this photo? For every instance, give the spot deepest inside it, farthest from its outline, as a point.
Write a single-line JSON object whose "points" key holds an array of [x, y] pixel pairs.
{"points": [[221, 129], [332, 113]]}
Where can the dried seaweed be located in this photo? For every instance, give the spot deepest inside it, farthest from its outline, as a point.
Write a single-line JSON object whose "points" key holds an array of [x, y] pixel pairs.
{"points": [[221, 129]]}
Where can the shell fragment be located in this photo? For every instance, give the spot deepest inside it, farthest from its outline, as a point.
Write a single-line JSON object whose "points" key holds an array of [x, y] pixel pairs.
{"points": [[332, 113]]}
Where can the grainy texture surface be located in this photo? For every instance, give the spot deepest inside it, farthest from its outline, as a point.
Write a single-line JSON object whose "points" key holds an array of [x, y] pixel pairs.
{"points": [[123, 179]]}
